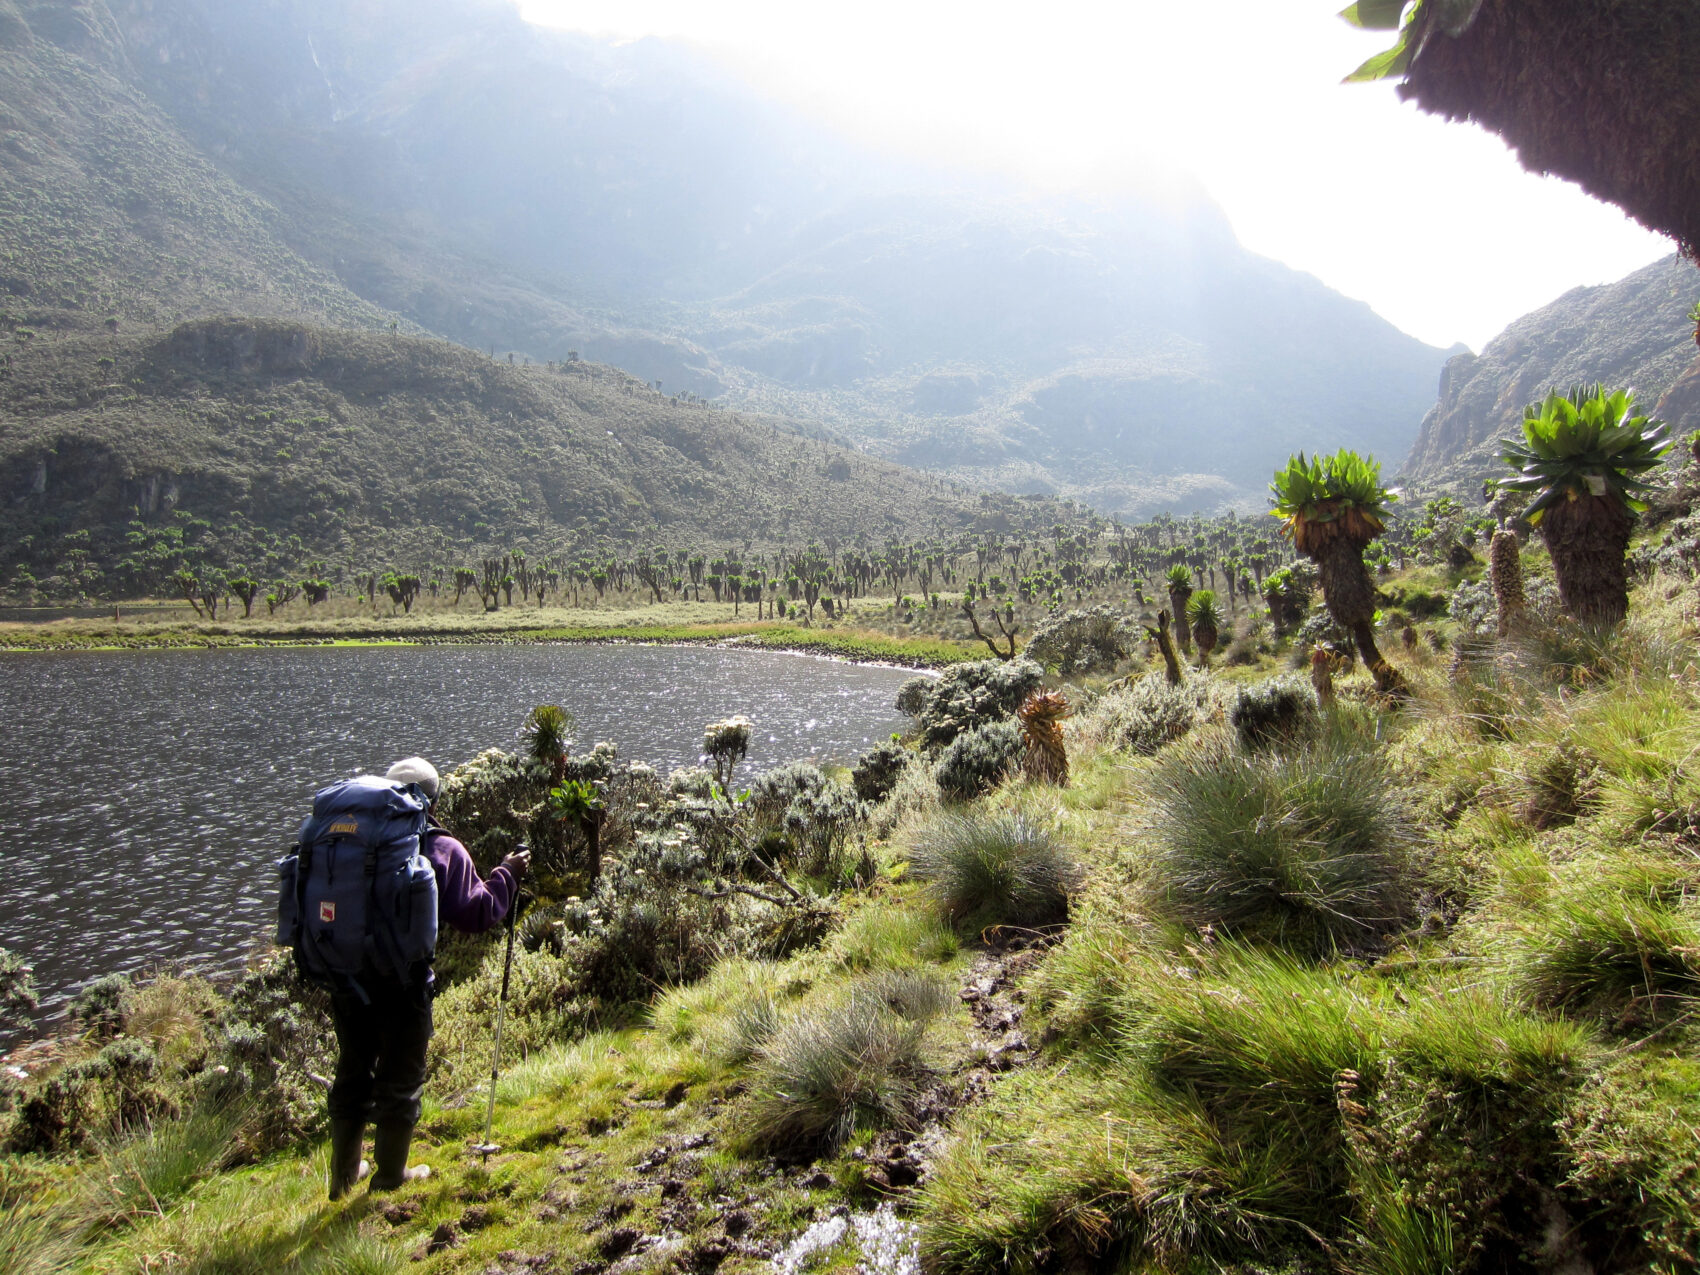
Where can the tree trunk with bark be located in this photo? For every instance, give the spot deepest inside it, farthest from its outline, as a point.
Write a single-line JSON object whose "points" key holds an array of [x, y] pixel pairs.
{"points": [[1349, 595], [1588, 538]]}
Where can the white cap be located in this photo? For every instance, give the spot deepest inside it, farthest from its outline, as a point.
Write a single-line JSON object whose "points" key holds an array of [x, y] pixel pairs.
{"points": [[415, 770]]}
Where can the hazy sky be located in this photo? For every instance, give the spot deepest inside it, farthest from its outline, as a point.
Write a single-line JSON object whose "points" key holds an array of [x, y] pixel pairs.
{"points": [[1434, 224]]}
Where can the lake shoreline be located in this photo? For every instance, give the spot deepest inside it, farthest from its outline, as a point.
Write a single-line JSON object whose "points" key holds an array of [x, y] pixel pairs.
{"points": [[846, 646]]}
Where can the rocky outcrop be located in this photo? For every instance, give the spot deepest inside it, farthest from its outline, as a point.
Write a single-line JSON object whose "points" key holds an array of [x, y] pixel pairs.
{"points": [[1680, 406], [245, 345], [1630, 333]]}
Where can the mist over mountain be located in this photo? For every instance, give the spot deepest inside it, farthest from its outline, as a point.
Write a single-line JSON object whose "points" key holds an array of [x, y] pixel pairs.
{"points": [[1630, 334], [514, 188]]}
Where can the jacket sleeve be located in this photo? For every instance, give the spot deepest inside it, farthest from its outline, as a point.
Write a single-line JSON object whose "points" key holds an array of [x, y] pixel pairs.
{"points": [[463, 901]]}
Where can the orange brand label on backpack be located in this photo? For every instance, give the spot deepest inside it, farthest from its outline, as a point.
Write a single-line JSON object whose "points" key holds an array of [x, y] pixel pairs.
{"points": [[327, 911], [347, 826]]}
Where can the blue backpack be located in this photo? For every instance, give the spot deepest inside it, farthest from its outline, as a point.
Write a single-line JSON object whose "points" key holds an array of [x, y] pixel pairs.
{"points": [[358, 899]]}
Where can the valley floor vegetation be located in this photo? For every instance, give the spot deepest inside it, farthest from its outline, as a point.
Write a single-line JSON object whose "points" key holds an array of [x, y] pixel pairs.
{"points": [[1283, 965]]}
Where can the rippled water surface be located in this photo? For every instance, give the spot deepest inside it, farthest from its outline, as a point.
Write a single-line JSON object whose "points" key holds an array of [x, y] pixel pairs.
{"points": [[144, 796]]}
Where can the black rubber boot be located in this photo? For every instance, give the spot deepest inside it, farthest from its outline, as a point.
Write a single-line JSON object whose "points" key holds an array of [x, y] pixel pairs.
{"points": [[391, 1142], [347, 1167]]}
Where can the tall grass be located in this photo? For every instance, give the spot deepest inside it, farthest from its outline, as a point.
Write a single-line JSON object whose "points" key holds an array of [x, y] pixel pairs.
{"points": [[993, 869], [1627, 956], [854, 1061], [883, 934], [1310, 848], [1042, 1178], [150, 1173]]}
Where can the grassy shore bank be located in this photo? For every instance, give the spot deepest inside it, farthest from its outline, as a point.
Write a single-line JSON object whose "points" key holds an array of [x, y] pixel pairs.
{"points": [[851, 639]]}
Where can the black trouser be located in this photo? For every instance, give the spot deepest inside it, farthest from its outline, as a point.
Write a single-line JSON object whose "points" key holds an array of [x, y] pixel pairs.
{"points": [[380, 1066]]}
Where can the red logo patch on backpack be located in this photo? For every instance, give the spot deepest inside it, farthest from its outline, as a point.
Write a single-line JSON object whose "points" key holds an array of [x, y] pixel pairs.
{"points": [[327, 911]]}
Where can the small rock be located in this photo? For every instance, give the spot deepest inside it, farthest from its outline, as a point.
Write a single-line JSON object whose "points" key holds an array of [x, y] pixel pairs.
{"points": [[819, 1180]]}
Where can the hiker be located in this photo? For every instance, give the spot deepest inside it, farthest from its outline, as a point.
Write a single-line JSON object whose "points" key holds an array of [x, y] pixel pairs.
{"points": [[381, 986]]}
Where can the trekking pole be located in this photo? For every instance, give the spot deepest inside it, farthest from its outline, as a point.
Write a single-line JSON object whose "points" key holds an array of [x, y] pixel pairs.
{"points": [[486, 1147]]}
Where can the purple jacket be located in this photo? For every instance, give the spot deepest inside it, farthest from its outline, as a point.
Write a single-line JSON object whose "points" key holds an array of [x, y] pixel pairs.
{"points": [[463, 901]]}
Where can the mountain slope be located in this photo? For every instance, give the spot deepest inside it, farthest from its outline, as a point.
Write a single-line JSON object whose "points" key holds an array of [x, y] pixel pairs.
{"points": [[521, 189], [106, 210], [369, 450], [1630, 333]]}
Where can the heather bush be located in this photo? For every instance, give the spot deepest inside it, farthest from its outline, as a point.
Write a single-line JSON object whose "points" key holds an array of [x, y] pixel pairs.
{"points": [[1080, 642], [977, 762], [1271, 712], [1150, 713], [966, 697], [877, 771]]}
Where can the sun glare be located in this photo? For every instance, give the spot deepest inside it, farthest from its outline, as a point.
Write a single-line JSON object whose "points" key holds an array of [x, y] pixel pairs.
{"points": [[1242, 97]]}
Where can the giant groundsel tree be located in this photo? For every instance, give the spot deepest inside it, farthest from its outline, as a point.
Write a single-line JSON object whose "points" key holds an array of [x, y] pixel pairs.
{"points": [[1332, 507], [1581, 459]]}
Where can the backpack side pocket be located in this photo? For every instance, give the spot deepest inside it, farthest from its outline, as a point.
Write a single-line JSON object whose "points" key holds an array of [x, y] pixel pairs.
{"points": [[288, 900]]}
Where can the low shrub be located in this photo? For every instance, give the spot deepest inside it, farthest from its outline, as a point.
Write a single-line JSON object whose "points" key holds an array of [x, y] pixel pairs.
{"points": [[966, 697], [1081, 642], [817, 815], [273, 1036], [1630, 1137], [1310, 848], [983, 870], [877, 771], [1150, 713], [1266, 713], [975, 763], [17, 990], [100, 1006]]}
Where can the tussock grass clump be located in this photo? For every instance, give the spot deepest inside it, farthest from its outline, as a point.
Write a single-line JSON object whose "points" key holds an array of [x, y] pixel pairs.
{"points": [[1623, 955], [853, 1062], [1002, 869], [1310, 848], [151, 1172], [1257, 1030], [1041, 1178]]}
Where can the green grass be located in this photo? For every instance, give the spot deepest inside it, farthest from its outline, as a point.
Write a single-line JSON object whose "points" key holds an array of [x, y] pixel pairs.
{"points": [[830, 1070], [516, 626], [1309, 847], [982, 869], [1612, 951], [1271, 1092]]}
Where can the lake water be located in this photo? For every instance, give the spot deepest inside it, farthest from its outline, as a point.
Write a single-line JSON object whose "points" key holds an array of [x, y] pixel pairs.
{"points": [[145, 796]]}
